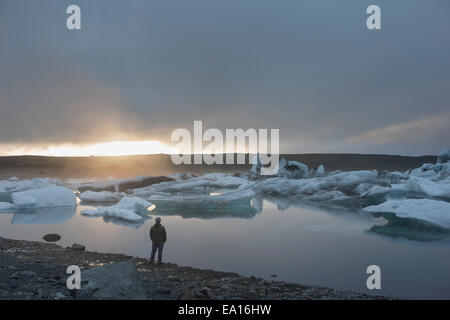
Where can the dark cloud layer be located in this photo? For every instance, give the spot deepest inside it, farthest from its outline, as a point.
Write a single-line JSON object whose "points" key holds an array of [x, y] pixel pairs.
{"points": [[139, 69]]}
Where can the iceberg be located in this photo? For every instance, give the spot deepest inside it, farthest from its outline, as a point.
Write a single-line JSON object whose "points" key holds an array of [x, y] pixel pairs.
{"points": [[50, 197], [436, 172], [435, 212], [377, 191], [203, 184], [230, 199], [444, 156], [127, 208], [101, 196], [255, 170], [6, 206], [343, 181], [427, 187], [120, 185], [15, 185], [320, 172], [292, 169]]}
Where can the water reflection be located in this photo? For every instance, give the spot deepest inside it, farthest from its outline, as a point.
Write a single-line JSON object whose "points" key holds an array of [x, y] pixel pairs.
{"points": [[308, 244], [44, 216], [393, 226], [385, 225], [126, 223], [206, 213]]}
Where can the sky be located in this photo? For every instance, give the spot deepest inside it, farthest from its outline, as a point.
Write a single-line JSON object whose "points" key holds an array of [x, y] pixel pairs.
{"points": [[139, 69]]}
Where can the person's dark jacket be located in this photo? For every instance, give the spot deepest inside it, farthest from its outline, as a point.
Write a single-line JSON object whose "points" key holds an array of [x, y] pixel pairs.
{"points": [[158, 233]]}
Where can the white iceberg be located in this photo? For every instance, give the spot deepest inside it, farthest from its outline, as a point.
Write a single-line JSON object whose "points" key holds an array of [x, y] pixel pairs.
{"points": [[432, 211], [255, 170], [50, 197], [435, 172], [203, 184], [292, 169], [127, 208], [427, 187], [320, 172], [101, 196], [444, 156], [120, 185], [15, 185], [229, 199], [377, 191], [342, 181], [6, 206]]}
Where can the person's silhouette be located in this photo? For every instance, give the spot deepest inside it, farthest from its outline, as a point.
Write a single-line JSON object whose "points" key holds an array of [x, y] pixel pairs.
{"points": [[158, 236]]}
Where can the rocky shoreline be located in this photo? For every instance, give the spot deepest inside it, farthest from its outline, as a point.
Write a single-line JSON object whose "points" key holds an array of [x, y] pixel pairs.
{"points": [[37, 270]]}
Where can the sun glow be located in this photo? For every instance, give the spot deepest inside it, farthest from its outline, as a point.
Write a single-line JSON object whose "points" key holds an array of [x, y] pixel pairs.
{"points": [[113, 148]]}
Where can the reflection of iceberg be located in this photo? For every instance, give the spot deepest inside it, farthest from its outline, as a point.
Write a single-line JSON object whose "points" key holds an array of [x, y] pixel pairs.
{"points": [[126, 223], [44, 216], [284, 203], [207, 213]]}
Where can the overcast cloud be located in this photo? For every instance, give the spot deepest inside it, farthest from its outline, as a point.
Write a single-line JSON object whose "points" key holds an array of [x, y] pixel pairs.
{"points": [[139, 69]]}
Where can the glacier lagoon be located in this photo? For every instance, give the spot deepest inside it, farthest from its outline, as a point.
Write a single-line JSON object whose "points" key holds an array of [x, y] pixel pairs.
{"points": [[309, 226], [298, 243]]}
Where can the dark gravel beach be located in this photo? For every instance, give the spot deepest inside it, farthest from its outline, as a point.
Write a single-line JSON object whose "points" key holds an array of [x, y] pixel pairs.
{"points": [[37, 270]]}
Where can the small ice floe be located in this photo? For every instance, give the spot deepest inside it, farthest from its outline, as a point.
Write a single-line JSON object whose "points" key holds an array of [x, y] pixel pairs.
{"points": [[101, 196], [50, 197], [433, 211], [128, 208]]}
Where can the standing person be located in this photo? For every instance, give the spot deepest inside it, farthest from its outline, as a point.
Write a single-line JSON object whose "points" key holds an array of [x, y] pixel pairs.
{"points": [[158, 236]]}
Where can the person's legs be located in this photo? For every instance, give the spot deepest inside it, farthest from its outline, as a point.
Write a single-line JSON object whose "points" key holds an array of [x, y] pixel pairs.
{"points": [[160, 250], [154, 247]]}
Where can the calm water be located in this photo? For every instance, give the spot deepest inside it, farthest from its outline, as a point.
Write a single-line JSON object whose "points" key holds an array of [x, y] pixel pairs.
{"points": [[299, 244]]}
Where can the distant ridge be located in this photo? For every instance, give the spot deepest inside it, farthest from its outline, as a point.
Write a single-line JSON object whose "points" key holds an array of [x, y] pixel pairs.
{"points": [[161, 164]]}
